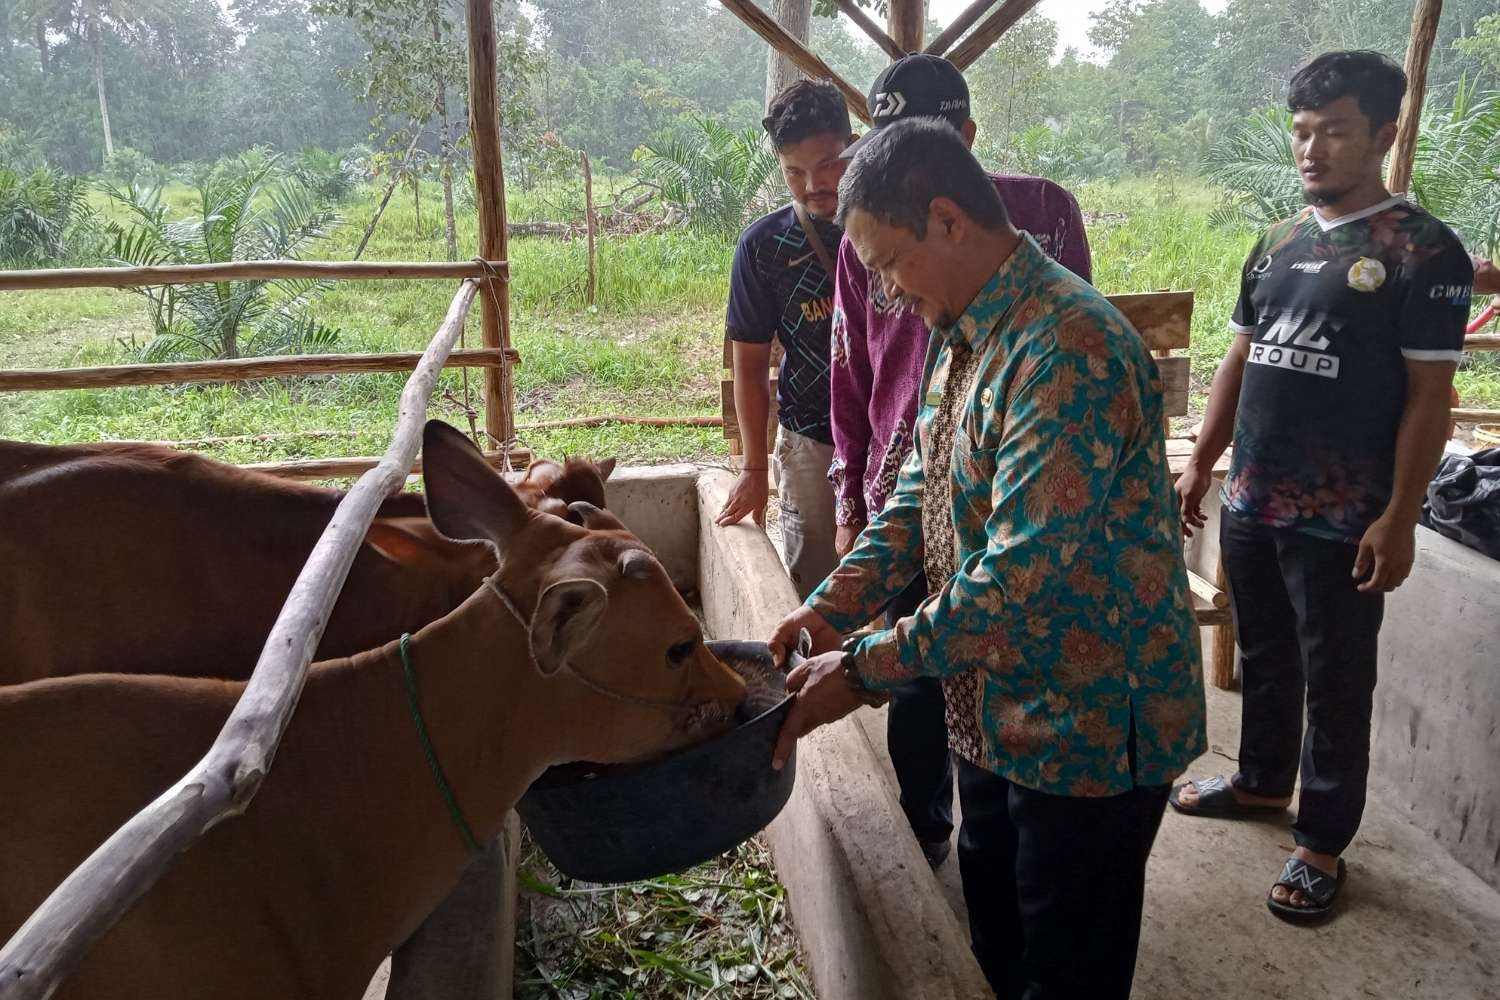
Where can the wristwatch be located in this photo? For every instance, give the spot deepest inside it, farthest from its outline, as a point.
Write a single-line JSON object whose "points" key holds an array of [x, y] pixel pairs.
{"points": [[866, 697]]}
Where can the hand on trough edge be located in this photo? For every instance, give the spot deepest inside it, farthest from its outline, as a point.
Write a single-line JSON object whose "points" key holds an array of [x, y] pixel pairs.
{"points": [[823, 695]]}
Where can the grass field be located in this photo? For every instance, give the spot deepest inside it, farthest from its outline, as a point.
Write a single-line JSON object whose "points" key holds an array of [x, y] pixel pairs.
{"points": [[651, 346]]}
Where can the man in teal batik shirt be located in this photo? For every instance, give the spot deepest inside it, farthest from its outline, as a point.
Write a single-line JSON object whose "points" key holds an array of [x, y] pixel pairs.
{"points": [[1038, 501]]}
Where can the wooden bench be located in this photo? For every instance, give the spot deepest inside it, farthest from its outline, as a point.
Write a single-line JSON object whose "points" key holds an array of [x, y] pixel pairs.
{"points": [[1164, 321]]}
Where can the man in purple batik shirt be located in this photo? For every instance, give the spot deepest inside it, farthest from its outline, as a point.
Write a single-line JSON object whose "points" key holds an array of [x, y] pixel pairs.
{"points": [[877, 355]]}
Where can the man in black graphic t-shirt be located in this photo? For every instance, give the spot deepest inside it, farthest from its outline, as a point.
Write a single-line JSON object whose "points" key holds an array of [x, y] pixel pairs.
{"points": [[1350, 324], [780, 288]]}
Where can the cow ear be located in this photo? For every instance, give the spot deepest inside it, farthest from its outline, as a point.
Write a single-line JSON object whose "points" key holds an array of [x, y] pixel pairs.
{"points": [[606, 468], [411, 542], [467, 499], [565, 619]]}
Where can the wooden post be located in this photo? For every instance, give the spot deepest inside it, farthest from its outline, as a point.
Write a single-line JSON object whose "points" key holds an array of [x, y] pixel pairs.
{"points": [[1424, 26], [593, 226], [1222, 658], [489, 190], [765, 26], [905, 21], [997, 24], [56, 938]]}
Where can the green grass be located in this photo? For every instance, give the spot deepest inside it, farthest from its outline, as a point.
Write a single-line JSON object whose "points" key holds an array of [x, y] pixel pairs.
{"points": [[650, 346]]}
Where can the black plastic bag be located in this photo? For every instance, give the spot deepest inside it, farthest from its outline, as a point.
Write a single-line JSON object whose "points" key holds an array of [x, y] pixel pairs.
{"points": [[1463, 500]]}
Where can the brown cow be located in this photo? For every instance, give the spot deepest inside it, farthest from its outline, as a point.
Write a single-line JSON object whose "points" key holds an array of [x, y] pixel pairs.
{"points": [[134, 558], [582, 650]]}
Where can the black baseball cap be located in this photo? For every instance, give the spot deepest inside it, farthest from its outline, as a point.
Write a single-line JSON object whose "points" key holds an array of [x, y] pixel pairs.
{"points": [[916, 86]]}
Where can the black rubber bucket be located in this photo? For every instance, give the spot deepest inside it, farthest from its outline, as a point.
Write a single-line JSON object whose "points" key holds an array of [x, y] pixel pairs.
{"points": [[627, 822]]}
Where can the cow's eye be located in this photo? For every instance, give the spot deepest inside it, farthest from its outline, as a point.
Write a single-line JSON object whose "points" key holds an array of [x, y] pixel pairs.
{"points": [[678, 654]]}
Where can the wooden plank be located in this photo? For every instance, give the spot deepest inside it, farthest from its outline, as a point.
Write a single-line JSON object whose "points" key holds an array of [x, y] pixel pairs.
{"points": [[997, 24], [904, 20], [1174, 385], [343, 468], [1424, 27], [1470, 415], [1208, 615], [489, 192], [1482, 342], [57, 937], [1163, 319], [238, 370], [963, 22], [776, 36], [247, 270], [886, 43], [1206, 591], [1180, 451]]}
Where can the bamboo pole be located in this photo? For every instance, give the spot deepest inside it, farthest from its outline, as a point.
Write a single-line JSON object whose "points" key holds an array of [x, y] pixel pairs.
{"points": [[869, 27], [343, 468], [592, 226], [489, 190], [997, 24], [963, 22], [905, 20], [238, 370], [777, 37], [243, 270], [1424, 26], [56, 938]]}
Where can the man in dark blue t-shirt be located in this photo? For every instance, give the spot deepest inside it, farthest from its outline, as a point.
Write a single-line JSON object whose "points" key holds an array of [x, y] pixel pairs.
{"points": [[1349, 327], [781, 289]]}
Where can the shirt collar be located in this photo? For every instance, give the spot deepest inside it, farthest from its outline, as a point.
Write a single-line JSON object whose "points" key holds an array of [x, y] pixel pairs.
{"points": [[994, 300], [1364, 213]]}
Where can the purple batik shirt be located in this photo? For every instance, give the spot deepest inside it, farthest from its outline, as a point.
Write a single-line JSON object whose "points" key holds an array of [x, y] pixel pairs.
{"points": [[878, 352]]}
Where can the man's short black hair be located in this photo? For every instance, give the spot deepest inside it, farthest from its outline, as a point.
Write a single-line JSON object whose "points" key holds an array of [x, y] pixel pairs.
{"points": [[805, 109], [1369, 77], [900, 168]]}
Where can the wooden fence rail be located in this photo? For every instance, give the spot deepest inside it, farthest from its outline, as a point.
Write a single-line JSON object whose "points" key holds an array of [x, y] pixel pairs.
{"points": [[238, 370], [92, 899], [244, 270]]}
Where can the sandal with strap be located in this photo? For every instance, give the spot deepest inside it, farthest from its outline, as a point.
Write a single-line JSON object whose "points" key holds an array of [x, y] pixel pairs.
{"points": [[1217, 799], [1316, 885]]}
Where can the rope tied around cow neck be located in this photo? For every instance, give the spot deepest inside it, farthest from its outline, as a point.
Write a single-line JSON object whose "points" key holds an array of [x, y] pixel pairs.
{"points": [[438, 777]]}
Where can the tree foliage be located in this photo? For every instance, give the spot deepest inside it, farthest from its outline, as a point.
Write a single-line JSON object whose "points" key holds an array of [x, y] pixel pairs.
{"points": [[254, 214], [718, 178]]}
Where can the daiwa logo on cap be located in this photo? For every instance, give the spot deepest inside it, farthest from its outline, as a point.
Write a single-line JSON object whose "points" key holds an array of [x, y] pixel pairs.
{"points": [[889, 104]]}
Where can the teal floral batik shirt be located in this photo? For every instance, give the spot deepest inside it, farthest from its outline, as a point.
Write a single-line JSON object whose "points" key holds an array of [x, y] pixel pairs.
{"points": [[1065, 618]]}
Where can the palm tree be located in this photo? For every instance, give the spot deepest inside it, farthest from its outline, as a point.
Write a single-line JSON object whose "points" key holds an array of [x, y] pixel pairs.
{"points": [[252, 214], [716, 177]]}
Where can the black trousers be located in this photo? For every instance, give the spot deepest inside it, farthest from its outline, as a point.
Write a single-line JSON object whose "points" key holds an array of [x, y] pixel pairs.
{"points": [[1304, 631], [917, 737], [1055, 885]]}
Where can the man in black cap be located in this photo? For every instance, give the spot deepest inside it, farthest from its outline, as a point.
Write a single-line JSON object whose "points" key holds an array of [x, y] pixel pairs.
{"points": [[877, 356]]}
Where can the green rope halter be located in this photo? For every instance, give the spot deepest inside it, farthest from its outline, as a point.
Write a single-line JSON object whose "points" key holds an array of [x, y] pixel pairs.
{"points": [[444, 788]]}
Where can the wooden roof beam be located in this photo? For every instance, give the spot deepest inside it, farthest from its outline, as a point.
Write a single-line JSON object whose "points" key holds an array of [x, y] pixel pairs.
{"points": [[776, 36], [963, 22], [1424, 26], [869, 27], [989, 32]]}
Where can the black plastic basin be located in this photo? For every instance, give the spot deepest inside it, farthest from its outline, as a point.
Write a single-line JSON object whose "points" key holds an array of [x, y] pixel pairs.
{"points": [[626, 822]]}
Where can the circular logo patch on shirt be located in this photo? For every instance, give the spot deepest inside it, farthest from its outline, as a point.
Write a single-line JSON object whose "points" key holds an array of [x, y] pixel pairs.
{"points": [[1366, 274]]}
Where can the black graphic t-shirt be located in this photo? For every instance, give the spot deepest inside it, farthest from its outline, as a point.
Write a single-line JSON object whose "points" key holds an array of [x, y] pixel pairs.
{"points": [[1334, 311], [779, 288]]}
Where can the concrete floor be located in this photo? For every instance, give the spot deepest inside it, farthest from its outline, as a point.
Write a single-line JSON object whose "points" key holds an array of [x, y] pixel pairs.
{"points": [[1413, 923]]}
